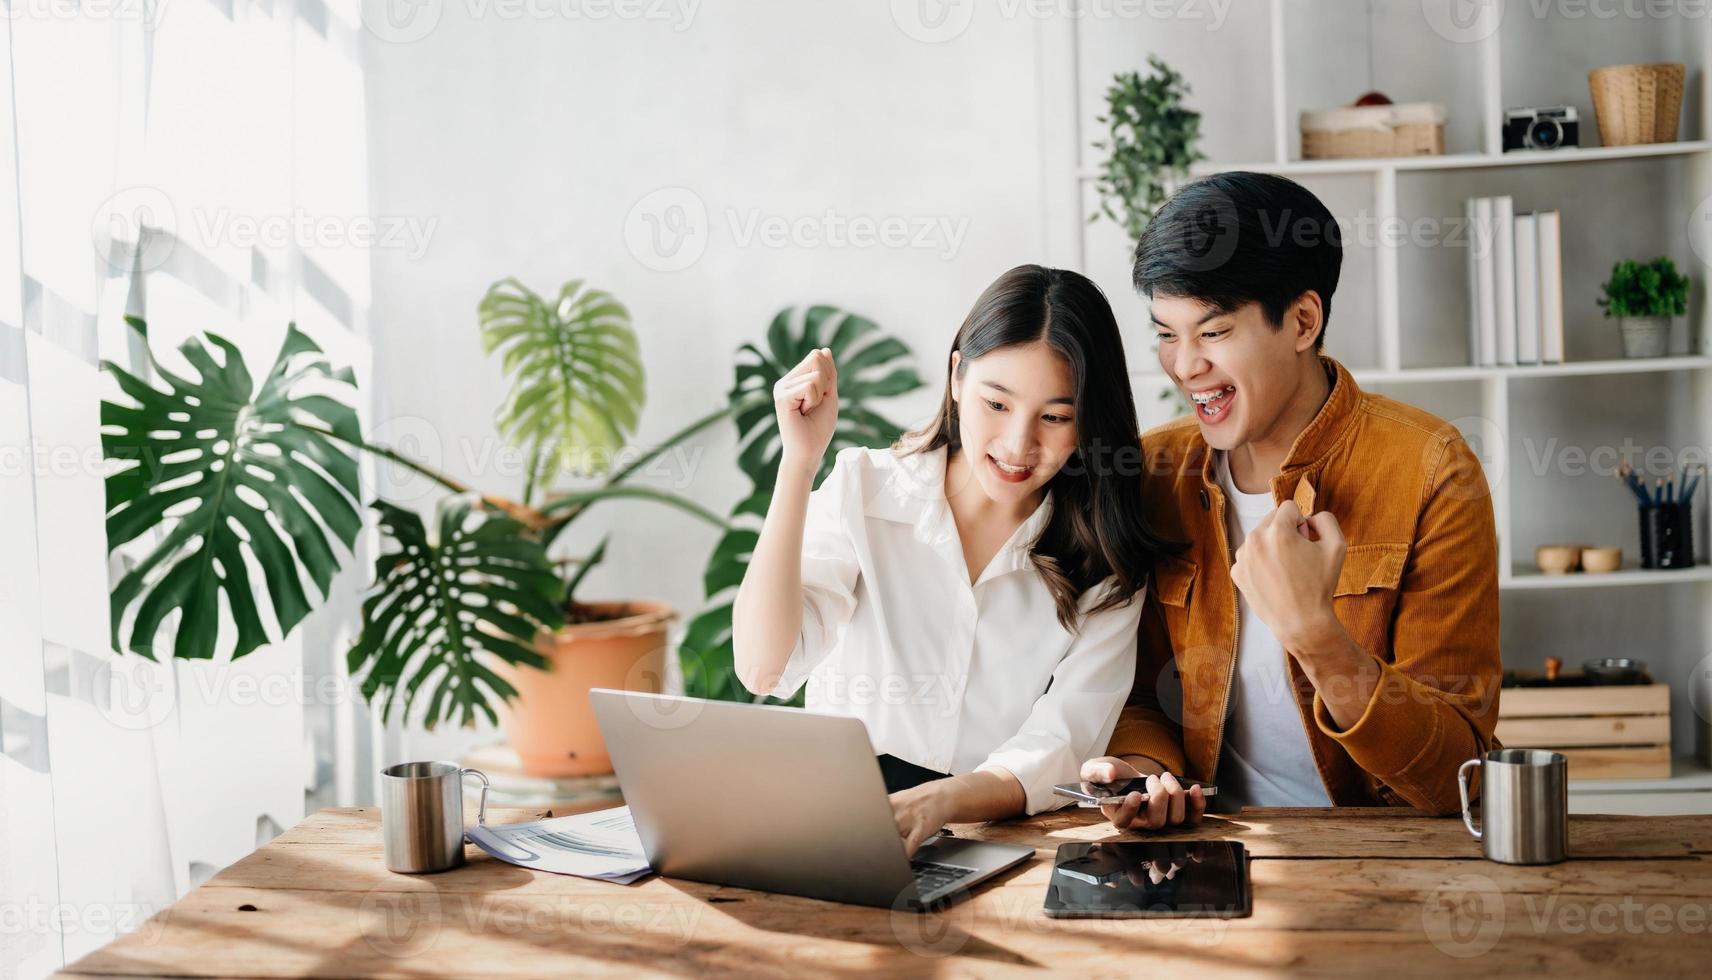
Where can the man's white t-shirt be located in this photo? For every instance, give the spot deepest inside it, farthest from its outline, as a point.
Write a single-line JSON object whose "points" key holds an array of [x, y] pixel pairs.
{"points": [[1266, 759]]}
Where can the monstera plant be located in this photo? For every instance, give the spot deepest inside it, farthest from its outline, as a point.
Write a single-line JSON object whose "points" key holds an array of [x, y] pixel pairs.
{"points": [[870, 366], [239, 478], [229, 468], [219, 483]]}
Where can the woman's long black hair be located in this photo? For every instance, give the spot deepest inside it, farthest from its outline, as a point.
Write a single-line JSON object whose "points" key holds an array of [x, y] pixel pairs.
{"points": [[1097, 529]]}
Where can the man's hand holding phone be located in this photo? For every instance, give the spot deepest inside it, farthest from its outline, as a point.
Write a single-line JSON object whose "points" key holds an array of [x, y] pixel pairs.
{"points": [[1167, 802]]}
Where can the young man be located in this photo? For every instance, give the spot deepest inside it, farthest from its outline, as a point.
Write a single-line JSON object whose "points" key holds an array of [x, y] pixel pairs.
{"points": [[1330, 635]]}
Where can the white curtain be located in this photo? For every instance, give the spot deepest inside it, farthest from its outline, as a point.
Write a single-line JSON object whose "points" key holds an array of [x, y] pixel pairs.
{"points": [[231, 134]]}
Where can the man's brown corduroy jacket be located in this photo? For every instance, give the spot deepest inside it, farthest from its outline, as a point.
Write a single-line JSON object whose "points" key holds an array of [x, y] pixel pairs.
{"points": [[1418, 592]]}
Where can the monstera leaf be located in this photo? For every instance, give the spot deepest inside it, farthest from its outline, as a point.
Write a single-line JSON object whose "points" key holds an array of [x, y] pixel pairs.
{"points": [[233, 474], [576, 374], [870, 366], [480, 584]]}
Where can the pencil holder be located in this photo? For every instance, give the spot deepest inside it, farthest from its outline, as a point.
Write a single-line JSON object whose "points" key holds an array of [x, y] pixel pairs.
{"points": [[1667, 535]]}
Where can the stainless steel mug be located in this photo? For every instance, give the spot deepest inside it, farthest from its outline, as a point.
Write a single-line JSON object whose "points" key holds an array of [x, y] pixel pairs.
{"points": [[422, 815], [1524, 805]]}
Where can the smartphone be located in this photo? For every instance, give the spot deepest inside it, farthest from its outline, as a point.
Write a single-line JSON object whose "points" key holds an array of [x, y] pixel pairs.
{"points": [[1112, 794]]}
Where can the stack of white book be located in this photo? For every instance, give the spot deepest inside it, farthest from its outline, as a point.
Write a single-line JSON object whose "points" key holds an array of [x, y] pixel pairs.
{"points": [[1515, 285]]}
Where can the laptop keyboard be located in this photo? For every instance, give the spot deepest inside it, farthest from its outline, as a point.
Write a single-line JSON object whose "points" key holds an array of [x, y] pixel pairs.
{"points": [[931, 877]]}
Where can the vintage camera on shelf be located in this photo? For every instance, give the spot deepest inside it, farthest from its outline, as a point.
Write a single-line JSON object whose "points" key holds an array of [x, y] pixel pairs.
{"points": [[1549, 127]]}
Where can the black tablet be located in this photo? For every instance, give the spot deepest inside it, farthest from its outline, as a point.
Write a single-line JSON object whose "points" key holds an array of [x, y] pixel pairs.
{"points": [[1160, 879]]}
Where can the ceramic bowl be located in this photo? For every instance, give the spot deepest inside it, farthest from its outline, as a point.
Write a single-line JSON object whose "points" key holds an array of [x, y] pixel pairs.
{"points": [[1558, 559], [1602, 559]]}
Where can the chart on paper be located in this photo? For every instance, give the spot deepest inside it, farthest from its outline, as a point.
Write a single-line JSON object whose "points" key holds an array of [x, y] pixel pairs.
{"points": [[602, 844]]}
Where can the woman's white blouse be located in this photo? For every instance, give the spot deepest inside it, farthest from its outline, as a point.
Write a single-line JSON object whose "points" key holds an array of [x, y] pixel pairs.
{"points": [[948, 676]]}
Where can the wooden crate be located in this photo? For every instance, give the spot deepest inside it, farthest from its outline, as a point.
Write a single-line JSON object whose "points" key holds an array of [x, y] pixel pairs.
{"points": [[1605, 732]]}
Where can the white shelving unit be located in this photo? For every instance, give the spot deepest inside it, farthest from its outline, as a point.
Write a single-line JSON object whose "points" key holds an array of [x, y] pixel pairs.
{"points": [[1655, 365], [1617, 202], [1466, 161], [1687, 790]]}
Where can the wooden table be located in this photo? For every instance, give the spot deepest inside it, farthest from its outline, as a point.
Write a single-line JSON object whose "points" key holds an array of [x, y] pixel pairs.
{"points": [[1360, 892]]}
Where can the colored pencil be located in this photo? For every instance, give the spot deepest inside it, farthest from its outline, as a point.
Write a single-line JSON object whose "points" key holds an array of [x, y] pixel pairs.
{"points": [[1627, 475]]}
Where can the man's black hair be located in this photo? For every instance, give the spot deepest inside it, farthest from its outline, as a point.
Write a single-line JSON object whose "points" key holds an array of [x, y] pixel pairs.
{"points": [[1240, 237]]}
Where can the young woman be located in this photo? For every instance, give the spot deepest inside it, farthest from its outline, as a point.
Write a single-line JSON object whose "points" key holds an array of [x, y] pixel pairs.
{"points": [[973, 593]]}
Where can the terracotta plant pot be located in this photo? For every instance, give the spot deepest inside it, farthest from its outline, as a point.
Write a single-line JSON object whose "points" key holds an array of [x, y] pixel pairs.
{"points": [[550, 725]]}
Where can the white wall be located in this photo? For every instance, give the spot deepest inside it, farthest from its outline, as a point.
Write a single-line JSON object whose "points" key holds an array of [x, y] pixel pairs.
{"points": [[542, 146], [530, 143], [536, 142]]}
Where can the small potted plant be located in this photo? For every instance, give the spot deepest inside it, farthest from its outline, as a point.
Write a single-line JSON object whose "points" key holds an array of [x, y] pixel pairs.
{"points": [[1153, 139], [1644, 296]]}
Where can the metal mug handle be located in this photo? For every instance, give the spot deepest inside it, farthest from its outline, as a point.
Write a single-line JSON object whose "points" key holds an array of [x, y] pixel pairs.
{"points": [[481, 819], [1462, 789], [481, 809]]}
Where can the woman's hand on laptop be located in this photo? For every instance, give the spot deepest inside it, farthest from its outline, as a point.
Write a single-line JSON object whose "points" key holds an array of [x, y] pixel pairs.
{"points": [[989, 793], [1168, 803], [920, 811]]}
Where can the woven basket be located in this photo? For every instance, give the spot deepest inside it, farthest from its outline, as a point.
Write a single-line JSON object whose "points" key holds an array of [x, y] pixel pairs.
{"points": [[1412, 130], [1637, 103]]}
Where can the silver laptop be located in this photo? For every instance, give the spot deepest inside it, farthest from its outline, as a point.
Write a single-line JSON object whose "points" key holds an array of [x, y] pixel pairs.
{"points": [[776, 799]]}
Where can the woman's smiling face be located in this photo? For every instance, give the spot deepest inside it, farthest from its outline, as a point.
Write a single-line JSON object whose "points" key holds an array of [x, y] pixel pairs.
{"points": [[1016, 418]]}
